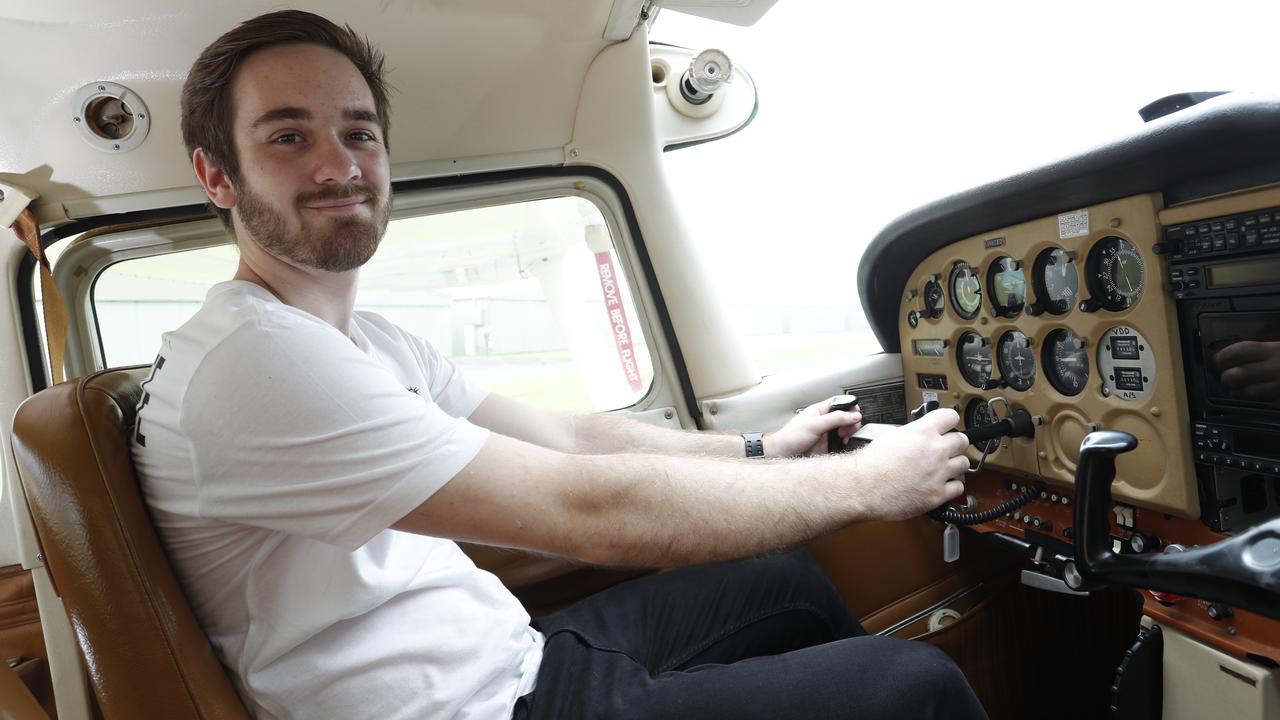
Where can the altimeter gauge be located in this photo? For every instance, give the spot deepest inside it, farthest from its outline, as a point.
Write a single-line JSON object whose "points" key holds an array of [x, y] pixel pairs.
{"points": [[1055, 281]]}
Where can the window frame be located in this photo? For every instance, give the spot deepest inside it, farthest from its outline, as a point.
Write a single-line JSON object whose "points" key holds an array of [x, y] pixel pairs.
{"points": [[90, 254]]}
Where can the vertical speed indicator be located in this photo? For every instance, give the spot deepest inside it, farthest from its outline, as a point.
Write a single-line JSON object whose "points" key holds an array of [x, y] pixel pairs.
{"points": [[1066, 362]]}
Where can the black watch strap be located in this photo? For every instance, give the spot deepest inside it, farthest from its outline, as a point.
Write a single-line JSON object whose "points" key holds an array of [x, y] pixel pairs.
{"points": [[755, 444]]}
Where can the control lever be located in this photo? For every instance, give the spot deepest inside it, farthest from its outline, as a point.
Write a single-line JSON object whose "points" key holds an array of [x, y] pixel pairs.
{"points": [[1242, 571], [835, 443]]}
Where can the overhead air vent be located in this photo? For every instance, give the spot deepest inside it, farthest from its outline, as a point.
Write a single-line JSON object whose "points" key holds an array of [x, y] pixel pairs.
{"points": [[111, 117]]}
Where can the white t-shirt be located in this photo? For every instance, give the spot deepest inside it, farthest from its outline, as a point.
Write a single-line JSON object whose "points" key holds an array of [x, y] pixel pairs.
{"points": [[274, 454]]}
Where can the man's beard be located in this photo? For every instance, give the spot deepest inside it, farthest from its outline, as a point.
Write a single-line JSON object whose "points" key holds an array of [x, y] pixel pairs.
{"points": [[335, 244]]}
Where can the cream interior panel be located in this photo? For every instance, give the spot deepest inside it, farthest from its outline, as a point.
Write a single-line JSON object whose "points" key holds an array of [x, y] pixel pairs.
{"points": [[1201, 682], [1159, 473]]}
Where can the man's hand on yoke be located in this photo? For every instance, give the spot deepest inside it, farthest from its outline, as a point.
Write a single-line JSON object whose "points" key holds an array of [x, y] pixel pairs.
{"points": [[806, 433], [660, 510]]}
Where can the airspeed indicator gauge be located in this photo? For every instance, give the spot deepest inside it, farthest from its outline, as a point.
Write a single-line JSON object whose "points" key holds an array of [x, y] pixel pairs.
{"points": [[966, 290], [1116, 275]]}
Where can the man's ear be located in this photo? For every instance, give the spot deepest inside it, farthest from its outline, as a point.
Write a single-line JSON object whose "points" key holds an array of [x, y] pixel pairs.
{"points": [[217, 184]]}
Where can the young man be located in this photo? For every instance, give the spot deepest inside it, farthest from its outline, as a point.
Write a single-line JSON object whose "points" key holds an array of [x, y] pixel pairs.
{"points": [[309, 499]]}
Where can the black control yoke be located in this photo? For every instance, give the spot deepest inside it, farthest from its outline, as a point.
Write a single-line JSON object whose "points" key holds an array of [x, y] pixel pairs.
{"points": [[1242, 571], [1018, 424]]}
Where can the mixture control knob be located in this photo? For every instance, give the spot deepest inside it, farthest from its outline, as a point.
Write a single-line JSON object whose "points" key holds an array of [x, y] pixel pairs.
{"points": [[1141, 542]]}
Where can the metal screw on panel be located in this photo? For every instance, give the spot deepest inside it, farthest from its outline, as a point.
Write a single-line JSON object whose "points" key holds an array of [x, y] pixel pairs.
{"points": [[573, 152], [40, 557], [668, 414], [713, 409]]}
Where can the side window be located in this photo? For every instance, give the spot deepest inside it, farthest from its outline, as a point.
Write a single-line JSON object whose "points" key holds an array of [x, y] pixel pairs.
{"points": [[529, 299]]}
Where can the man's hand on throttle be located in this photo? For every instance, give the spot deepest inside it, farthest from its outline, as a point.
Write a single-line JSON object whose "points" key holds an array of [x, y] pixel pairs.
{"points": [[913, 468], [806, 433]]}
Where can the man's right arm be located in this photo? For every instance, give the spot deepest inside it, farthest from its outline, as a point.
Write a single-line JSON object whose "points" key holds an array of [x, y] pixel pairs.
{"points": [[661, 511]]}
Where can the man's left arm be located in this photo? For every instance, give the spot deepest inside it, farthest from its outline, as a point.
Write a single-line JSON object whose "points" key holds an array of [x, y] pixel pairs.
{"points": [[599, 434]]}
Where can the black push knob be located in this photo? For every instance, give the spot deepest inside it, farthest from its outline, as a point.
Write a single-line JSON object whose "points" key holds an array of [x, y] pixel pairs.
{"points": [[1218, 611]]}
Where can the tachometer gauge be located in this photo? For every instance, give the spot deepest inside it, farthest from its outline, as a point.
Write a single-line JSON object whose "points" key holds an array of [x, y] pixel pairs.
{"points": [[1116, 275], [974, 357], [966, 291], [1007, 286], [977, 414], [933, 299], [1055, 281], [1016, 360], [1066, 362]]}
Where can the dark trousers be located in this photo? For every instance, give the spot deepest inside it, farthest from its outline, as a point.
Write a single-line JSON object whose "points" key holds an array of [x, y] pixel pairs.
{"points": [[762, 638]]}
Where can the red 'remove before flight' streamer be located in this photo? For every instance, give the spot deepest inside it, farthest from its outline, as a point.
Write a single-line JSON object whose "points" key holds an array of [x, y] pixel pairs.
{"points": [[618, 319]]}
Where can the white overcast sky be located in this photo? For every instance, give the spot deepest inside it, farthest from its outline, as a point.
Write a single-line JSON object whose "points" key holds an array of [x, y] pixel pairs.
{"points": [[868, 110]]}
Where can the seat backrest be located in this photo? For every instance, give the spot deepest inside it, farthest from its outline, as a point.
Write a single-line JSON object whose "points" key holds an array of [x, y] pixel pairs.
{"points": [[145, 652]]}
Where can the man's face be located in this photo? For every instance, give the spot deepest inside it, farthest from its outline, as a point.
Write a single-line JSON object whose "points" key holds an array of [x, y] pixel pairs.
{"points": [[314, 186]]}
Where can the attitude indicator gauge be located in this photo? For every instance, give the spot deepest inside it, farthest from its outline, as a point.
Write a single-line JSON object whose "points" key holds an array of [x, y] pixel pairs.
{"points": [[1016, 360], [1066, 362], [966, 291], [1007, 286], [1116, 275], [1056, 282], [973, 354]]}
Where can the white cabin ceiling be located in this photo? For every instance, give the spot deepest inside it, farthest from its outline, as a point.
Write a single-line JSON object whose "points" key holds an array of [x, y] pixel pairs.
{"points": [[473, 77]]}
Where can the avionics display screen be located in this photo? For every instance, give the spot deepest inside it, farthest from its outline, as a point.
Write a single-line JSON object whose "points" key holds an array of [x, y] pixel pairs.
{"points": [[1241, 352], [1241, 274]]}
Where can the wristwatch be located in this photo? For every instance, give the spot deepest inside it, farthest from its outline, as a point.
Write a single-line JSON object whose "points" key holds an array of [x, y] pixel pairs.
{"points": [[755, 444]]}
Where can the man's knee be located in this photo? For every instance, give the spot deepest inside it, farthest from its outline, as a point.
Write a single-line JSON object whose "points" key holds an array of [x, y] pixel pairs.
{"points": [[923, 676]]}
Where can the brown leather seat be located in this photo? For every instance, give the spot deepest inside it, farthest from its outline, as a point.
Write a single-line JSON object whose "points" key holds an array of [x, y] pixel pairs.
{"points": [[145, 652]]}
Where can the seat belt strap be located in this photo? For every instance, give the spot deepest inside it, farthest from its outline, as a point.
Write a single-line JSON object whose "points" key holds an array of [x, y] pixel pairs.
{"points": [[55, 308]]}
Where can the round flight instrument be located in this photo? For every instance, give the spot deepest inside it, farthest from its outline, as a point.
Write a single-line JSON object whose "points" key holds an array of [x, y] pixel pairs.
{"points": [[933, 299], [977, 414], [1066, 362], [1016, 360], [973, 354], [1055, 281], [966, 290], [1007, 285], [1115, 273]]}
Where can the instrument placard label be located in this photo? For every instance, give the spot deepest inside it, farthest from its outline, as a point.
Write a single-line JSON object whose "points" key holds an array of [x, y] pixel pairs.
{"points": [[1073, 224]]}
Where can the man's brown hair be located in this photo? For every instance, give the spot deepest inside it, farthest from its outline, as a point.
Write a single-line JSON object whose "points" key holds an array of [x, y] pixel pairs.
{"points": [[206, 94]]}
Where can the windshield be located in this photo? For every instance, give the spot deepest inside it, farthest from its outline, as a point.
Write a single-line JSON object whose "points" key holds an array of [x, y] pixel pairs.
{"points": [[870, 110]]}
